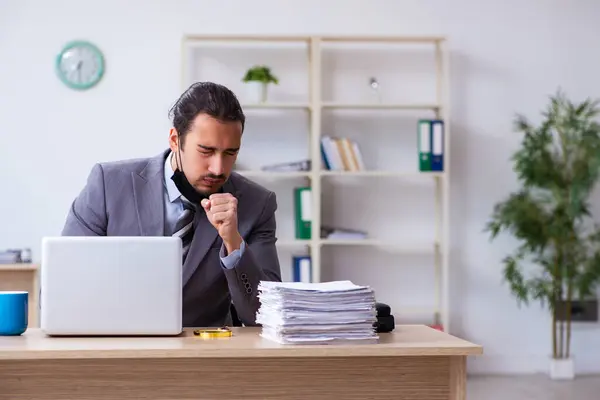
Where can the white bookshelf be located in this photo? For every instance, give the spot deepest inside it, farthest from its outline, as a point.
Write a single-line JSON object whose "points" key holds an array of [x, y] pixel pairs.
{"points": [[305, 103]]}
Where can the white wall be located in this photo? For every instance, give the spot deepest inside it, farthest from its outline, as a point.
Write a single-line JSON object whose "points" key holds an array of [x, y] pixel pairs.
{"points": [[505, 59]]}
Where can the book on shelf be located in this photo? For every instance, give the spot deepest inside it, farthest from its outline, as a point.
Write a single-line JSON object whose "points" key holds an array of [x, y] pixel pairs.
{"points": [[293, 166], [302, 271], [431, 144], [341, 154], [328, 232], [303, 212]]}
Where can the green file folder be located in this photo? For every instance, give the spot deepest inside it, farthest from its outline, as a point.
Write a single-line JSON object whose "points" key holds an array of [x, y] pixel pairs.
{"points": [[424, 136], [302, 206]]}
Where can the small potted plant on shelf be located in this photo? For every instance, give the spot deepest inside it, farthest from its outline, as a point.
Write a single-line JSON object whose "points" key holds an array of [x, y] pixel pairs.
{"points": [[557, 257], [257, 80]]}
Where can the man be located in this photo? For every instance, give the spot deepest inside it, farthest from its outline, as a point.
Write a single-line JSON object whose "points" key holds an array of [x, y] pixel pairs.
{"points": [[226, 222]]}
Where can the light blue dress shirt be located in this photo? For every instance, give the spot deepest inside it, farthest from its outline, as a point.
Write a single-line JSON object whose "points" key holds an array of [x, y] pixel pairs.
{"points": [[174, 208]]}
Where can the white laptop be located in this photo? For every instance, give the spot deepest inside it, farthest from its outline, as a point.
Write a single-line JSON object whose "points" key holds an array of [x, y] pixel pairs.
{"points": [[111, 286]]}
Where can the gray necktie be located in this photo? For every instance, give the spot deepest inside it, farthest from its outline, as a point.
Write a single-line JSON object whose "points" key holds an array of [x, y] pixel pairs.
{"points": [[184, 228]]}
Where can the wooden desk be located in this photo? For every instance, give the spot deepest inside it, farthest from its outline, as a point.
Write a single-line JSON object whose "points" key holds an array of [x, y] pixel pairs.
{"points": [[414, 362]]}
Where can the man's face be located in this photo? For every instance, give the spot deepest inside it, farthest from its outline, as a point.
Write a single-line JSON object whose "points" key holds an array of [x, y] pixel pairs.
{"points": [[208, 152]]}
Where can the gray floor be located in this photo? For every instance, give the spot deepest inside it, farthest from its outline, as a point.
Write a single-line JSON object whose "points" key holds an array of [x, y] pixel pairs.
{"points": [[532, 387]]}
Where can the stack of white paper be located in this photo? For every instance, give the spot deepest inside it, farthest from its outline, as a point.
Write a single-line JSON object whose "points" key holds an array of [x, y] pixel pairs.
{"points": [[312, 313]]}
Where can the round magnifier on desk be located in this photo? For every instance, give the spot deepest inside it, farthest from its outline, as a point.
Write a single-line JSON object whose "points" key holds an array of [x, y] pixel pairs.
{"points": [[213, 333]]}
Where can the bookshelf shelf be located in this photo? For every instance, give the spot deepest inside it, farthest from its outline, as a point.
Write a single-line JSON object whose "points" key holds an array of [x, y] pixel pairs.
{"points": [[293, 242], [275, 106], [349, 242], [274, 174], [308, 174], [395, 246], [326, 101], [379, 106], [382, 174], [384, 39]]}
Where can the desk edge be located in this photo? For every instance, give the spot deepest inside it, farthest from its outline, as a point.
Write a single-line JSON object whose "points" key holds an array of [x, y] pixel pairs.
{"points": [[287, 352]]}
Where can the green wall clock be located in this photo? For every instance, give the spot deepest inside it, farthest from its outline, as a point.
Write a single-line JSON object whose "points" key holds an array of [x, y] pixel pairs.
{"points": [[80, 65]]}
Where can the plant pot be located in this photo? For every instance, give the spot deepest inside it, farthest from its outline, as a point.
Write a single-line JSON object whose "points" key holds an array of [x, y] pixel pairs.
{"points": [[562, 369], [256, 92]]}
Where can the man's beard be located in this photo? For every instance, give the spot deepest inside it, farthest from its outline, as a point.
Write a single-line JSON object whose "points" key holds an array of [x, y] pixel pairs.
{"points": [[217, 187], [191, 192]]}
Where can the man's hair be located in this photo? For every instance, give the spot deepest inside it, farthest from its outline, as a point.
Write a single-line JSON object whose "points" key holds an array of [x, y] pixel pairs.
{"points": [[205, 98]]}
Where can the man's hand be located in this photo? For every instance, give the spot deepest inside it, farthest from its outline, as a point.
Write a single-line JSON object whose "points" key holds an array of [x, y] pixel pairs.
{"points": [[221, 210]]}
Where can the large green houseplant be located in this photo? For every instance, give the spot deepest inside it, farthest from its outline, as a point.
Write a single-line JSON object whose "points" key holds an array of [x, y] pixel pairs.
{"points": [[557, 259]]}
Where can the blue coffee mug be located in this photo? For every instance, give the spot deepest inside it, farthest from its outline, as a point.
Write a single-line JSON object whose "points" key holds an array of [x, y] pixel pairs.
{"points": [[14, 313]]}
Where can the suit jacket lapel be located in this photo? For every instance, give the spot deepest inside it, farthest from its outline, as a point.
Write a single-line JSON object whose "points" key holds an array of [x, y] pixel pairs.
{"points": [[148, 192], [204, 236]]}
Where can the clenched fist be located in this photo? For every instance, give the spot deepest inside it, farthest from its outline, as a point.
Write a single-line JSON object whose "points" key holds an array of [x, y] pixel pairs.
{"points": [[221, 211]]}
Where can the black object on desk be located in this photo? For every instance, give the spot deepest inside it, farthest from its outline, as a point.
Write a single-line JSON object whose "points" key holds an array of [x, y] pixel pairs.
{"points": [[235, 320], [385, 319]]}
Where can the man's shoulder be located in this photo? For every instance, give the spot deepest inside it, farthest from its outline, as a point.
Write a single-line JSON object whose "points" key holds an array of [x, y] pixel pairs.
{"points": [[127, 166], [250, 188]]}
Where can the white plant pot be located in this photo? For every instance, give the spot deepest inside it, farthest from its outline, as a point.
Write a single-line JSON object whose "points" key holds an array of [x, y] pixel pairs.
{"points": [[562, 369], [256, 92]]}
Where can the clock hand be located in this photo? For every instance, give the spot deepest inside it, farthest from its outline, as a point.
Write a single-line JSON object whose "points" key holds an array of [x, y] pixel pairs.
{"points": [[79, 70]]}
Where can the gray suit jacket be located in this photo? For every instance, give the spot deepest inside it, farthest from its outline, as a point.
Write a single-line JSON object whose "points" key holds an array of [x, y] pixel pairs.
{"points": [[125, 198]]}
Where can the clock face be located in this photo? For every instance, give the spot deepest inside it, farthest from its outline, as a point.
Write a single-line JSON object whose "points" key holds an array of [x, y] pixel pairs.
{"points": [[80, 65]]}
